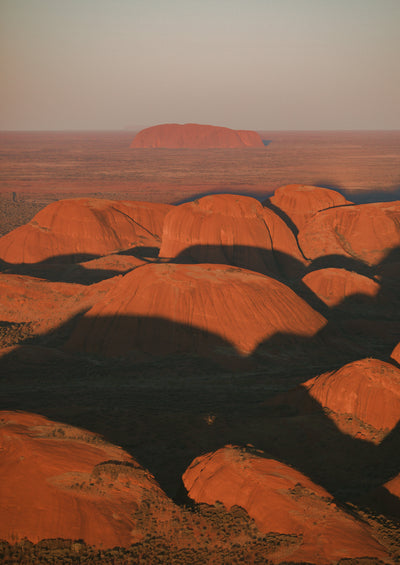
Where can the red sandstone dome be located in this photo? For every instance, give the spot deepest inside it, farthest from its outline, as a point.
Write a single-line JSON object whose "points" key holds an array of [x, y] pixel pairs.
{"points": [[207, 309], [363, 397], [231, 229], [57, 481], [281, 500], [396, 353], [45, 304], [364, 232], [84, 227], [393, 487], [195, 136], [96, 270], [333, 286], [299, 202]]}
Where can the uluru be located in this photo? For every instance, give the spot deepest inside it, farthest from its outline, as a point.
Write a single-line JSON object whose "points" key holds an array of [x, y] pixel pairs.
{"points": [[195, 136]]}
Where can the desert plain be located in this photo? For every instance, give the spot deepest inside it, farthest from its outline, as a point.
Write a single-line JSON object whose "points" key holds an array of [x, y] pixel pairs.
{"points": [[199, 350]]}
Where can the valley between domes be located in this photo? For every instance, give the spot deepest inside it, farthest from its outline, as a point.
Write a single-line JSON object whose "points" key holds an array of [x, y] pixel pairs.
{"points": [[249, 348]]}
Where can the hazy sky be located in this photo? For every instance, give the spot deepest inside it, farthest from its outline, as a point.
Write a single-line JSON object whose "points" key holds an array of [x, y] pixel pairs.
{"points": [[256, 64]]}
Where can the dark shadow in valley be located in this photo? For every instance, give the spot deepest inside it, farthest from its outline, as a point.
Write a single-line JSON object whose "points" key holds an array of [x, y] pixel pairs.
{"points": [[228, 190], [371, 196], [201, 394], [77, 268], [288, 221]]}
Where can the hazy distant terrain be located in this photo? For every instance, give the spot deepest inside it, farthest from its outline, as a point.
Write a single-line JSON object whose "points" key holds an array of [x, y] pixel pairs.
{"points": [[102, 162]]}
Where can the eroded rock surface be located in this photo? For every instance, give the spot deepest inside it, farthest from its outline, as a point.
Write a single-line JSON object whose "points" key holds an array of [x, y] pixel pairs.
{"points": [[57, 481], [363, 397], [207, 309], [282, 500], [230, 229], [84, 228], [299, 202], [365, 233]]}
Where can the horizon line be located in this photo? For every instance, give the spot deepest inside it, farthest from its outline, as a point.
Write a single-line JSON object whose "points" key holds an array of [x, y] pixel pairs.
{"points": [[124, 130]]}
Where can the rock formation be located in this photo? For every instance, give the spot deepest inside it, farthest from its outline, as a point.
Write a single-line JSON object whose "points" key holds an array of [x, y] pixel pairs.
{"points": [[195, 136], [84, 228], [363, 397], [299, 202], [396, 353], [57, 481], [43, 304], [365, 233], [96, 270], [234, 230], [206, 309], [393, 488], [333, 286], [282, 500]]}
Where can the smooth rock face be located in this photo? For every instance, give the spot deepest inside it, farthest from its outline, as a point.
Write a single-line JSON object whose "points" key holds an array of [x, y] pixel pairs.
{"points": [[57, 481], [363, 397], [82, 228], [386, 498], [195, 136], [333, 286], [393, 487], [396, 353], [282, 500], [46, 304], [207, 309], [299, 202], [366, 233], [230, 229]]}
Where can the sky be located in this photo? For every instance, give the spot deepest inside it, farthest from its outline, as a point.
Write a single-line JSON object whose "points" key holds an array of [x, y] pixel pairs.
{"points": [[246, 64]]}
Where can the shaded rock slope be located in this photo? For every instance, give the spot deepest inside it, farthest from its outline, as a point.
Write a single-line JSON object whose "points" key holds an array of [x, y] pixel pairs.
{"points": [[282, 500]]}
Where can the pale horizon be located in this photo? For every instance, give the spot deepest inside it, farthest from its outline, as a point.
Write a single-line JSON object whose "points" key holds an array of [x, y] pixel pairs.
{"points": [[281, 65]]}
